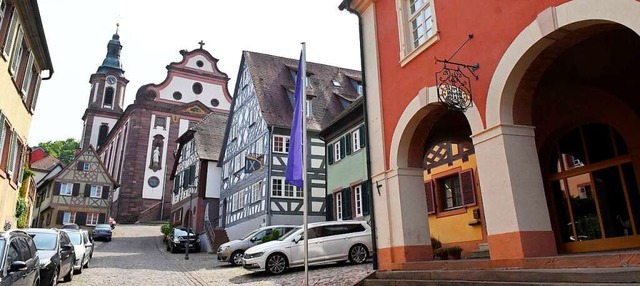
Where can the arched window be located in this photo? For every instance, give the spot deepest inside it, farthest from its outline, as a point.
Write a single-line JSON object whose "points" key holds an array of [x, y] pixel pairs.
{"points": [[102, 134], [108, 96]]}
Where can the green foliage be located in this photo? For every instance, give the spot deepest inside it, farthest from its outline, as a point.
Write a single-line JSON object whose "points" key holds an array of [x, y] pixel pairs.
{"points": [[441, 253], [165, 229], [275, 234], [23, 222], [63, 150], [21, 207], [454, 250], [435, 243]]}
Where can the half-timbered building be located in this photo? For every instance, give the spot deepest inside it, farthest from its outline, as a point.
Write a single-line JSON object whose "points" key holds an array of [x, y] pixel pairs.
{"points": [[138, 148], [254, 192], [196, 178], [78, 194]]}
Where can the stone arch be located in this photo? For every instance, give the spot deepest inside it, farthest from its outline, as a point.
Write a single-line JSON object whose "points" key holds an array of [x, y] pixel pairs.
{"points": [[548, 27], [423, 105]]}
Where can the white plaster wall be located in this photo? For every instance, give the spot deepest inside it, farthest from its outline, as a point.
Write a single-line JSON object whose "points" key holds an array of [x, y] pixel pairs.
{"points": [[183, 127], [97, 121], [214, 177], [184, 86], [207, 66], [147, 191]]}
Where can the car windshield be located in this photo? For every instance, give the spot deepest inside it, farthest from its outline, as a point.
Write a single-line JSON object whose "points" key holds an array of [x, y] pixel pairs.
{"points": [[45, 241], [288, 234], [75, 237], [103, 226], [250, 234], [182, 232]]}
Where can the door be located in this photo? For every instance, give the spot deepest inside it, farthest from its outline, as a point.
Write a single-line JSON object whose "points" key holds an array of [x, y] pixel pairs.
{"points": [[66, 255], [29, 256], [316, 248], [13, 255], [336, 241]]}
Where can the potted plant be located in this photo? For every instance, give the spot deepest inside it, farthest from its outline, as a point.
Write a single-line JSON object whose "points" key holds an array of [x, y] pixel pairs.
{"points": [[441, 253], [454, 252], [166, 230]]}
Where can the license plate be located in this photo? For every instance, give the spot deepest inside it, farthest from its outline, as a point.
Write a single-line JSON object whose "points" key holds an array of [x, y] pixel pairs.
{"points": [[190, 245]]}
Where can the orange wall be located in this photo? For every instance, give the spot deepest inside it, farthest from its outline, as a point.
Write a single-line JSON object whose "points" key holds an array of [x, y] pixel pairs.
{"points": [[494, 23]]}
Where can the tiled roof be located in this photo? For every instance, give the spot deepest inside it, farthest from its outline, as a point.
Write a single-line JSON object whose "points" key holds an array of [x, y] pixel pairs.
{"points": [[209, 135], [272, 79], [45, 164]]}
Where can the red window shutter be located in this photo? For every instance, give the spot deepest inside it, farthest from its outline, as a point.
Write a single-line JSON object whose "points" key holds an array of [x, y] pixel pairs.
{"points": [[428, 189], [467, 187]]}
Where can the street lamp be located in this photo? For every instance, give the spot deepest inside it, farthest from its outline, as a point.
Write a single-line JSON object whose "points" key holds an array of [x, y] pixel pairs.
{"points": [[191, 189]]}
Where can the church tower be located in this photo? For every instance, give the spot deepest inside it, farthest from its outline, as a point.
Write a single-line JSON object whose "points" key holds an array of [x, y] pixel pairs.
{"points": [[106, 97]]}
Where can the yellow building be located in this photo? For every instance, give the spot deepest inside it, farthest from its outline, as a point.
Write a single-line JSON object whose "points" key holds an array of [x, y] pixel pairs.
{"points": [[24, 62]]}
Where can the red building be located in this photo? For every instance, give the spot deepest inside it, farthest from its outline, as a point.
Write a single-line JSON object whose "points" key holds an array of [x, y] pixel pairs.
{"points": [[553, 123]]}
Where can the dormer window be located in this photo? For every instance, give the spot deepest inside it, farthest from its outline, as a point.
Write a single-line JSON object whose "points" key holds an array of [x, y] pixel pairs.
{"points": [[307, 81], [336, 83], [357, 85]]}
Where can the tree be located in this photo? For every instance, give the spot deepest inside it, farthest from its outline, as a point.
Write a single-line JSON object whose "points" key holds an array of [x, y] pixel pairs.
{"points": [[63, 150]]}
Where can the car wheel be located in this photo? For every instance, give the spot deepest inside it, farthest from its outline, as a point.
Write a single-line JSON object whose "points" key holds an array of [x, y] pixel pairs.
{"points": [[358, 254], [276, 263], [108, 239], [69, 275], [87, 264], [54, 279], [236, 258], [173, 249]]}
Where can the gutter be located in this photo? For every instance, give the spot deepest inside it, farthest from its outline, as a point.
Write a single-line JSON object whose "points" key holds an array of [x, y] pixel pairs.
{"points": [[346, 4]]}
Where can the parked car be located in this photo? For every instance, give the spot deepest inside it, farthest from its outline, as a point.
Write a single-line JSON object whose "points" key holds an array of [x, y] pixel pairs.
{"points": [[79, 244], [19, 261], [328, 241], [232, 251], [88, 244], [102, 231], [70, 226], [179, 239], [56, 254]]}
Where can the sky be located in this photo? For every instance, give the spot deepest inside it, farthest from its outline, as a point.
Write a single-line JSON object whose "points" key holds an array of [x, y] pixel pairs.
{"points": [[152, 32]]}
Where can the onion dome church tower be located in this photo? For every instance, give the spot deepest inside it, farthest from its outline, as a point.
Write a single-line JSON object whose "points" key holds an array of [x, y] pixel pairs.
{"points": [[106, 97]]}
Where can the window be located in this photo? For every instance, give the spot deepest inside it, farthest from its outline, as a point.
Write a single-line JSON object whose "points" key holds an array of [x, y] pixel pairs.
{"points": [[308, 108], [96, 191], [3, 133], [160, 122], [17, 53], [355, 140], [66, 189], [256, 190], [358, 200], [3, 11], [336, 151], [8, 44], [420, 21], [339, 206], [27, 78], [92, 218], [417, 27], [69, 217], [281, 189], [241, 198], [103, 131], [280, 144], [11, 160], [108, 97], [449, 190]]}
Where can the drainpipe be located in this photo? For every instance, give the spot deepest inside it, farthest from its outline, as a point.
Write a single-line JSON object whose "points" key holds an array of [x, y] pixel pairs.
{"points": [[268, 185], [346, 4]]}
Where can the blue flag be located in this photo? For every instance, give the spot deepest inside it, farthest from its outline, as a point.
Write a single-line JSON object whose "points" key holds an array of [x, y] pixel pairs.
{"points": [[295, 163]]}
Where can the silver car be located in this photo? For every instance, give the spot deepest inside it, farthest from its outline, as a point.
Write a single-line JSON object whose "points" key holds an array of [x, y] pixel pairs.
{"points": [[232, 251]]}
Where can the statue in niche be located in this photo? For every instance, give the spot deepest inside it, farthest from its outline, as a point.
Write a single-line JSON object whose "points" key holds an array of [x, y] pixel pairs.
{"points": [[155, 163]]}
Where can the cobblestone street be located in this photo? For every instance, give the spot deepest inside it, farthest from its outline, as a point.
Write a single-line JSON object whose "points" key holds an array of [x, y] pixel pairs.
{"points": [[137, 256]]}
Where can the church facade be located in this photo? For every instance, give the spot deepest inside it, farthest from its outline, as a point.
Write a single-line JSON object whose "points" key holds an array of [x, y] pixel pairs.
{"points": [[140, 140]]}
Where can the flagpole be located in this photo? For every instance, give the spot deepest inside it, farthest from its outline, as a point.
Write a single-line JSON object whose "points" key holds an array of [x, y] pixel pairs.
{"points": [[305, 200]]}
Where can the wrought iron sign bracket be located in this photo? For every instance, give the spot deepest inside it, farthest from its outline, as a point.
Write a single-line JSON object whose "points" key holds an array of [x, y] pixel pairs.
{"points": [[453, 85]]}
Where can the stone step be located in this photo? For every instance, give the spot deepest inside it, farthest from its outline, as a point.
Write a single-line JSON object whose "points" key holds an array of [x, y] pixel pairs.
{"points": [[590, 275], [390, 282]]}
